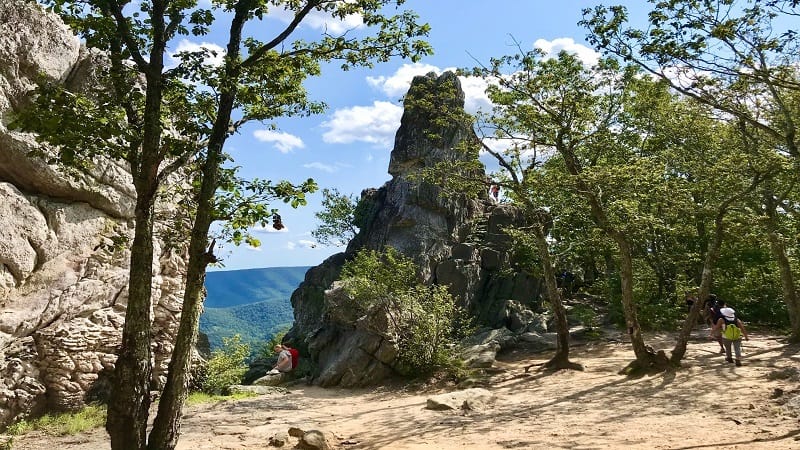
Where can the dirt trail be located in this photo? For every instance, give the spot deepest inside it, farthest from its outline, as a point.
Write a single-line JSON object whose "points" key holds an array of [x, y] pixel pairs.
{"points": [[708, 404]]}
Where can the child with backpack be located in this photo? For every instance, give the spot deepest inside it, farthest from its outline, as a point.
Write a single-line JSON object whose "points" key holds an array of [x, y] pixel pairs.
{"points": [[732, 332]]}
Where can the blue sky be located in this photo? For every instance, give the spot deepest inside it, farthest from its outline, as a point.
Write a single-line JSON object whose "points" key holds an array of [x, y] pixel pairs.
{"points": [[348, 146]]}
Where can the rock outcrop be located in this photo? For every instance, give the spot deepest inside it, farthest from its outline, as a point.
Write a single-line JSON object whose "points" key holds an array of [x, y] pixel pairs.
{"points": [[455, 241], [63, 258]]}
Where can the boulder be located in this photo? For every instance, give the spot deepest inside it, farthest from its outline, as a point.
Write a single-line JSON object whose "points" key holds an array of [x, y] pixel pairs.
{"points": [[474, 399]]}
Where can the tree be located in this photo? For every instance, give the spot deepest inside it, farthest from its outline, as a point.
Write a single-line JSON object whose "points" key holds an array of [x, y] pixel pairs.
{"points": [[560, 105], [732, 56], [337, 219], [189, 111]]}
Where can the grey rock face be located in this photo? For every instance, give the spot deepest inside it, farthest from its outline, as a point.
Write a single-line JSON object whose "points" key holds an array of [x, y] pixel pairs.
{"points": [[63, 258], [456, 241]]}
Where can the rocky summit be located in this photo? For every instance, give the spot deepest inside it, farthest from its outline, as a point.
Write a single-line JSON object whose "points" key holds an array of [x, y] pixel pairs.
{"points": [[457, 241]]}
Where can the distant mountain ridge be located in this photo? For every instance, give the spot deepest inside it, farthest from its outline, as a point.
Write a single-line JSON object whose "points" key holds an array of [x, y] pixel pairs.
{"points": [[241, 287], [254, 303]]}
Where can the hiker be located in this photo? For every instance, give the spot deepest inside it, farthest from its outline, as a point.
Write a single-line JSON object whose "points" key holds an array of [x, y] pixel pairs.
{"points": [[284, 363], [711, 309], [713, 315], [294, 353], [689, 298], [732, 332], [494, 193]]}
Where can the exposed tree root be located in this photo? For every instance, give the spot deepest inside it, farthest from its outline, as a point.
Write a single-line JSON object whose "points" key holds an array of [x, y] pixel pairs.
{"points": [[653, 363]]}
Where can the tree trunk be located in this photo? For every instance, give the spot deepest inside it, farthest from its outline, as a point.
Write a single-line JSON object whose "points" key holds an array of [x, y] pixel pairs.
{"points": [[708, 269], [130, 396], [706, 279], [561, 359], [166, 427], [690, 322], [129, 402], [788, 285], [167, 424], [646, 358]]}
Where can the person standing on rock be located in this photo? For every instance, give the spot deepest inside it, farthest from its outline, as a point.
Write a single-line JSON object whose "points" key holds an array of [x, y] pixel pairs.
{"points": [[494, 193]]}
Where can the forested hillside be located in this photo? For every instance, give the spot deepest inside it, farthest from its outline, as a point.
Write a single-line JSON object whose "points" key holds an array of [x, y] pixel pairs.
{"points": [[254, 303], [241, 287]]}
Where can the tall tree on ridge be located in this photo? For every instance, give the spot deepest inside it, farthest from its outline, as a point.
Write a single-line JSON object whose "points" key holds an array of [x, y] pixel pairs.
{"points": [[258, 81]]}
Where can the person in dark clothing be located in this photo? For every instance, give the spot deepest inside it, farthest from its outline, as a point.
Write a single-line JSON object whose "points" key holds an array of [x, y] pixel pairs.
{"points": [[713, 316]]}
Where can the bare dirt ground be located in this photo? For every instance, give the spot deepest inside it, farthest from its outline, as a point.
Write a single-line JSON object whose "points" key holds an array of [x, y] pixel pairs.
{"points": [[707, 404]]}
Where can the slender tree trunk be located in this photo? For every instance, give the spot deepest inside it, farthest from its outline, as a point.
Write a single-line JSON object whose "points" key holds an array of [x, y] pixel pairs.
{"points": [[646, 358], [129, 403], [561, 359], [706, 278], [712, 255], [166, 427], [788, 284], [130, 396]]}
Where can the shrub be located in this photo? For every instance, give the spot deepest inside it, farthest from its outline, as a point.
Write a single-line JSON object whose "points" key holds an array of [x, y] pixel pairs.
{"points": [[423, 319], [226, 366]]}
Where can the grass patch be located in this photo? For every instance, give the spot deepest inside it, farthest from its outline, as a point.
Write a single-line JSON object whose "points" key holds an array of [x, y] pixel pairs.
{"points": [[88, 418], [199, 398]]}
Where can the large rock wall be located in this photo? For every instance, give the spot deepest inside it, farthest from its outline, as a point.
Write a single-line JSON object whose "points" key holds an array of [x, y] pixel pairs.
{"points": [[63, 256], [455, 241]]}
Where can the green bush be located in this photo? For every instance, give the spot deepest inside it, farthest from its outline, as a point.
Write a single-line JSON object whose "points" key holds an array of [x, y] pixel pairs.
{"points": [[226, 366], [424, 320]]}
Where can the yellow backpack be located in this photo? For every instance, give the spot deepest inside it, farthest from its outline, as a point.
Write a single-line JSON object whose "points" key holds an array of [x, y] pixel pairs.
{"points": [[732, 332]]}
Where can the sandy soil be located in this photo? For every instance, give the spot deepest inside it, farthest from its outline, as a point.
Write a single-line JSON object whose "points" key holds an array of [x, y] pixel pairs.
{"points": [[707, 404]]}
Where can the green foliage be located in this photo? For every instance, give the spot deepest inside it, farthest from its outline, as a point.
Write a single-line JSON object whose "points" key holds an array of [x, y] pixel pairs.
{"points": [[242, 204], [226, 366], [424, 320], [337, 219], [585, 315], [255, 322], [88, 418]]}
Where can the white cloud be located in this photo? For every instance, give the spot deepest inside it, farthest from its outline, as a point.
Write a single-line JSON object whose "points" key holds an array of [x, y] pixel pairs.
{"points": [[302, 243], [475, 98], [684, 76], [396, 85], [330, 168], [215, 58], [284, 142], [307, 244], [321, 21], [374, 124], [552, 48]]}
